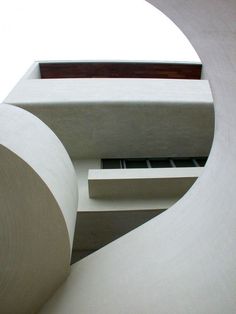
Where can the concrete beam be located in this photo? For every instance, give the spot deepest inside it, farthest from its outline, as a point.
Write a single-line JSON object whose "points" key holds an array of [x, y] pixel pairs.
{"points": [[141, 183], [114, 118]]}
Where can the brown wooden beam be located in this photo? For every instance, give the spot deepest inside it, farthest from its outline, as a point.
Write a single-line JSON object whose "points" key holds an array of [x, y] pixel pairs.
{"points": [[120, 70]]}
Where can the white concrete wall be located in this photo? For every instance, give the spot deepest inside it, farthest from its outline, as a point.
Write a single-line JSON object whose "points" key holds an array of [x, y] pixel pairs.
{"points": [[38, 202], [112, 118], [168, 183], [183, 261], [87, 204], [102, 220]]}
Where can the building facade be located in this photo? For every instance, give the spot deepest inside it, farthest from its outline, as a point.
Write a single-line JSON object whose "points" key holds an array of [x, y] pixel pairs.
{"points": [[138, 135], [181, 261]]}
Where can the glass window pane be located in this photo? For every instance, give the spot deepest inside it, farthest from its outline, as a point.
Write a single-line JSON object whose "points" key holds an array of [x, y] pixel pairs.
{"points": [[201, 161], [184, 162], [160, 163], [135, 163], [111, 163]]}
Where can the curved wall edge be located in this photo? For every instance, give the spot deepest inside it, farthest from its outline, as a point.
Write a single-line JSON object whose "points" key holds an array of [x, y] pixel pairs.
{"points": [[183, 261], [34, 142], [38, 211]]}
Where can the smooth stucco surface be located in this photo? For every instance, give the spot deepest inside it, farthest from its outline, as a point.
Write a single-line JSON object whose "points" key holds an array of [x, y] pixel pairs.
{"points": [[30, 139], [141, 183], [183, 261], [38, 202], [87, 204], [114, 118]]}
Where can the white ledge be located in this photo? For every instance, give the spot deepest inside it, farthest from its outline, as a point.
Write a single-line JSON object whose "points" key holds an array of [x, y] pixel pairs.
{"points": [[163, 183], [110, 90]]}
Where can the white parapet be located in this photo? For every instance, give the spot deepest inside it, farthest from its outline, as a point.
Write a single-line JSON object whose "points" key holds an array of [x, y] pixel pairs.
{"points": [[110, 118], [165, 183]]}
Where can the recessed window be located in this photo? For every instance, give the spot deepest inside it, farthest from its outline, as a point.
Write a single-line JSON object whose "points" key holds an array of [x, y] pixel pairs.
{"points": [[160, 163], [201, 161], [184, 162], [111, 164], [135, 163], [153, 163]]}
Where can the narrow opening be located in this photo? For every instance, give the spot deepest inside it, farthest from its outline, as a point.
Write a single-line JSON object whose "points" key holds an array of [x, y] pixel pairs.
{"points": [[201, 161], [160, 163], [164, 70], [136, 163], [183, 162], [111, 163], [167, 162]]}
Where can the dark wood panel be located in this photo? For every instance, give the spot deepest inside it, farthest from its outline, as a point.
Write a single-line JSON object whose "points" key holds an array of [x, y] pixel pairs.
{"points": [[120, 70]]}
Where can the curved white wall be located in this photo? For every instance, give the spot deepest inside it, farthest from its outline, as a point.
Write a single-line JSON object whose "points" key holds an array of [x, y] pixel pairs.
{"points": [[38, 203], [183, 261]]}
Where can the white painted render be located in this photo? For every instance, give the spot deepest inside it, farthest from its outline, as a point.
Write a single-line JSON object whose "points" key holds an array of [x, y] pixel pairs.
{"points": [[114, 118], [103, 220], [182, 261], [104, 118], [87, 204], [165, 183], [30, 139], [38, 201]]}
